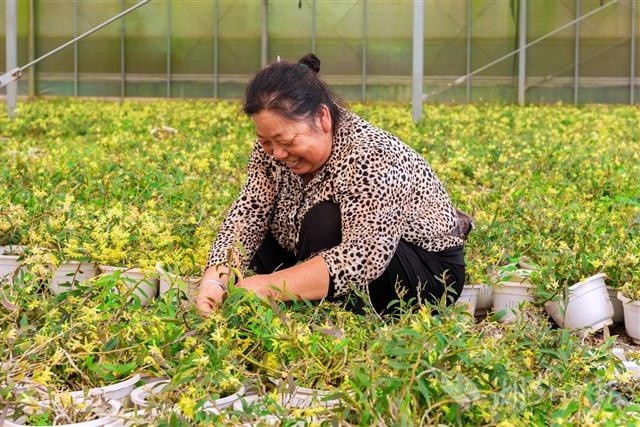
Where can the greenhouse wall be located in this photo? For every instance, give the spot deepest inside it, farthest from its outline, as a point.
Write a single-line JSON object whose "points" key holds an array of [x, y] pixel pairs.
{"points": [[209, 49]]}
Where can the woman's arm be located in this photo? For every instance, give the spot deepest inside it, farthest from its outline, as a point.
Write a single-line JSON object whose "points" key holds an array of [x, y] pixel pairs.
{"points": [[306, 280]]}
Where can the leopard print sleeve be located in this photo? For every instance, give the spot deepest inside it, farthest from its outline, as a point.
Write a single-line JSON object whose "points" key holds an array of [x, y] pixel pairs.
{"points": [[248, 220]]}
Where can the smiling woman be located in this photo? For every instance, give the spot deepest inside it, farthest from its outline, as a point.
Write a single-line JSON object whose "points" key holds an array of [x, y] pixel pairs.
{"points": [[332, 204]]}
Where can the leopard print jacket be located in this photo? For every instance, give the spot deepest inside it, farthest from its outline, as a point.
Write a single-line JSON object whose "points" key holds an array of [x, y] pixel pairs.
{"points": [[386, 192]]}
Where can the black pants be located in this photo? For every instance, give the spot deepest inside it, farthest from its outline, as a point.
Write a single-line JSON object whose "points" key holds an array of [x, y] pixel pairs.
{"points": [[418, 275]]}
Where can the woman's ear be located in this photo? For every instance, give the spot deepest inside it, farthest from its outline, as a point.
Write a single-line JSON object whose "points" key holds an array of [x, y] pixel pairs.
{"points": [[324, 115]]}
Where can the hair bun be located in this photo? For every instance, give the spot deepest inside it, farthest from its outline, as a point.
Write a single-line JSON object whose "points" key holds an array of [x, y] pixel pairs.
{"points": [[311, 61]]}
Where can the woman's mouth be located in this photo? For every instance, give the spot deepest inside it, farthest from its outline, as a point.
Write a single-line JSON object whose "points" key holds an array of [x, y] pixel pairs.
{"points": [[292, 164]]}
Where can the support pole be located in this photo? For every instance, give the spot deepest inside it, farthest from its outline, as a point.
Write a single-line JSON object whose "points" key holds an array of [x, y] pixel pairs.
{"points": [[469, 28], [313, 26], [576, 57], [522, 54], [75, 48], [264, 37], [216, 45], [632, 72], [123, 70], [364, 50], [31, 54], [168, 89], [11, 41], [418, 59]]}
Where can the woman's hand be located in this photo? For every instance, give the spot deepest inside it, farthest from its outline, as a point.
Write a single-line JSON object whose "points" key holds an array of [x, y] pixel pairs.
{"points": [[212, 290]]}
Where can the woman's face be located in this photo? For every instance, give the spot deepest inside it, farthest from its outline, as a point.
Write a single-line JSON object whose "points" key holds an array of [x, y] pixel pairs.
{"points": [[302, 146]]}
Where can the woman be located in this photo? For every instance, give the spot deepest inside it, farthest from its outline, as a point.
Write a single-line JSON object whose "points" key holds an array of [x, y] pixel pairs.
{"points": [[333, 204]]}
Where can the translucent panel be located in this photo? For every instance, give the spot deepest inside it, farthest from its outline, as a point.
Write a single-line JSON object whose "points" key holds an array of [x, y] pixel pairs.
{"points": [[174, 48], [239, 44], [550, 62]]}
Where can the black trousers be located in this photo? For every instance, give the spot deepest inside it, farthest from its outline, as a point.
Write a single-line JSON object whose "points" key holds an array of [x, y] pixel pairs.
{"points": [[413, 274]]}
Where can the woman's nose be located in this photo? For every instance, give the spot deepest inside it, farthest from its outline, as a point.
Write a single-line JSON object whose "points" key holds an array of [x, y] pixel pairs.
{"points": [[279, 152]]}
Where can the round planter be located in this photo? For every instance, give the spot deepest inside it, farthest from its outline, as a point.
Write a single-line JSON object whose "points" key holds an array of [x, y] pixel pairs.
{"points": [[587, 306], [188, 285], [140, 395], [144, 287], [9, 261], [303, 397], [469, 298], [102, 421], [485, 298], [71, 272], [508, 296], [117, 391], [618, 310], [631, 317]]}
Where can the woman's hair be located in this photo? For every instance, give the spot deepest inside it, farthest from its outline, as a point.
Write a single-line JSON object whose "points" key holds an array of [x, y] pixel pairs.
{"points": [[292, 90]]}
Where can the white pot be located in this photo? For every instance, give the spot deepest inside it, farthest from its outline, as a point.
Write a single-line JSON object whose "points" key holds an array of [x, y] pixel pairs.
{"points": [[117, 391], [145, 288], [102, 421], [631, 317], [508, 296], [303, 397], [485, 297], [140, 395], [587, 306], [469, 297], [9, 261], [188, 285], [72, 272], [618, 311]]}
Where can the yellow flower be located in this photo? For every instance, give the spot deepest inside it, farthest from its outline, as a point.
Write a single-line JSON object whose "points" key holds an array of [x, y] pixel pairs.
{"points": [[187, 405]]}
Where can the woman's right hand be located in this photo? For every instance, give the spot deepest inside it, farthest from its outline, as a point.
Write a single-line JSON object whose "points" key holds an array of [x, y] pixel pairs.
{"points": [[211, 292]]}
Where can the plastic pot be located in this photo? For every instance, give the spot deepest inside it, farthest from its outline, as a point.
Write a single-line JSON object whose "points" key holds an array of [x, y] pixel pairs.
{"points": [[469, 297], [102, 421], [71, 272], [140, 395], [631, 317], [168, 280], [587, 306], [9, 261], [618, 310], [145, 288], [508, 296]]}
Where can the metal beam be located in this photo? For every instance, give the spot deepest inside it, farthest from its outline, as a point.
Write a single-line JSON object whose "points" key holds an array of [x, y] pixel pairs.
{"points": [[632, 72], [169, 34], [264, 36], [469, 28], [522, 54], [364, 50], [418, 59], [123, 70], [11, 42], [75, 48], [576, 57], [216, 46], [32, 48], [313, 26]]}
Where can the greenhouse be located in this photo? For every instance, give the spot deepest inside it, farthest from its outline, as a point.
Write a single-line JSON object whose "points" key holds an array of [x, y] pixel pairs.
{"points": [[319, 212]]}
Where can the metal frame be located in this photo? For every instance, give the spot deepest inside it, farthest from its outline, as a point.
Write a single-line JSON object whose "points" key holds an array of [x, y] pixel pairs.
{"points": [[576, 56], [11, 39], [75, 48], [522, 54], [418, 60], [632, 53], [169, 37], [364, 50], [469, 30], [264, 35]]}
